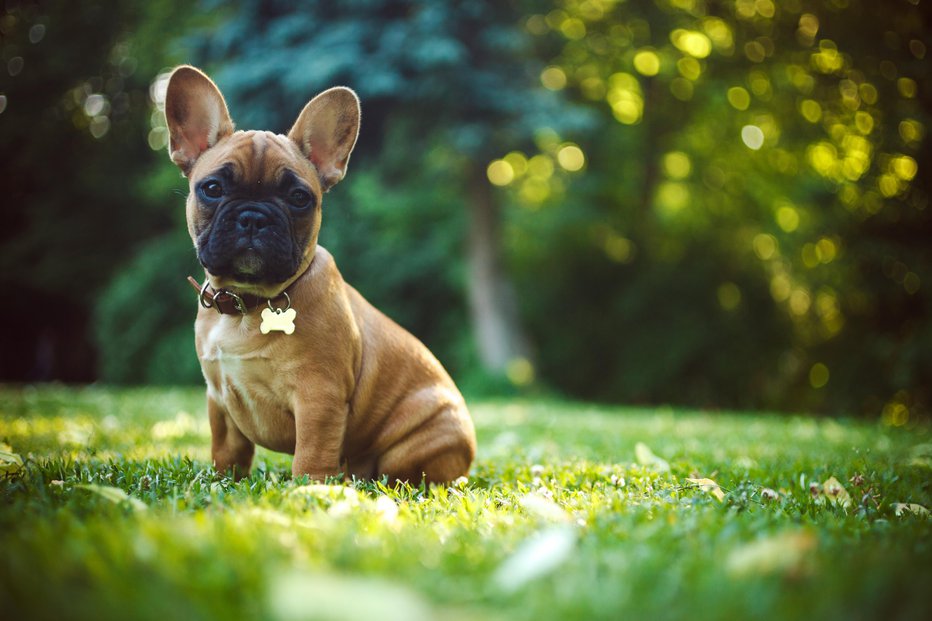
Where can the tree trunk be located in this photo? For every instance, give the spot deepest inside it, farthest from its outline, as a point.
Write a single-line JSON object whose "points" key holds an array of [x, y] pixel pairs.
{"points": [[492, 300]]}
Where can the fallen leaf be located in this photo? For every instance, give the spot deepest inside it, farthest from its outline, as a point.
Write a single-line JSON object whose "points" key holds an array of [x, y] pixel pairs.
{"points": [[10, 462], [535, 557], [543, 508], [646, 457], [710, 486], [115, 495], [302, 595], [327, 492], [921, 455], [785, 553], [386, 508], [836, 492], [902, 508]]}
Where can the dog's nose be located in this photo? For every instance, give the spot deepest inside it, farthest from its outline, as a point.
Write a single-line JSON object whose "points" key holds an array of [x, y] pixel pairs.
{"points": [[251, 220]]}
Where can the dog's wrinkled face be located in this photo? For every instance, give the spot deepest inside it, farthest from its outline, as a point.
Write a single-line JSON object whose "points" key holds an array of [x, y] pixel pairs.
{"points": [[254, 209], [254, 205]]}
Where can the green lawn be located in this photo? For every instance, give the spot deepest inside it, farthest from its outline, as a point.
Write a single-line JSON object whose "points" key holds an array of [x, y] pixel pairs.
{"points": [[572, 512]]}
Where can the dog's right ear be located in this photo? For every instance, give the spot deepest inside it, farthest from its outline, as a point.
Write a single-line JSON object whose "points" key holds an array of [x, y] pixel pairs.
{"points": [[196, 115]]}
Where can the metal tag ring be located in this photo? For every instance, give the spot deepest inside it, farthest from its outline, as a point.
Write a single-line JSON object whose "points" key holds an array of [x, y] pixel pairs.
{"points": [[281, 310], [203, 293]]}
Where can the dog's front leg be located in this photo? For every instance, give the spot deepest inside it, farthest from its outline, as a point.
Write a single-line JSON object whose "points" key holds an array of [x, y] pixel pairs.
{"points": [[320, 425], [231, 451]]}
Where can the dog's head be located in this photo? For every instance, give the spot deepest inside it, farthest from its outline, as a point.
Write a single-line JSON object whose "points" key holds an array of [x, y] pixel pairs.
{"points": [[253, 209]]}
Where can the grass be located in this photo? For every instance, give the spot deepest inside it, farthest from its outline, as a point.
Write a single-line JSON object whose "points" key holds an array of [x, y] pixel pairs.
{"points": [[572, 512]]}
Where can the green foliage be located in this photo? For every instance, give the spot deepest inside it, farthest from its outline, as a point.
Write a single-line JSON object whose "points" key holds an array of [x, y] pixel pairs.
{"points": [[456, 70], [587, 527], [144, 319], [745, 223], [399, 243], [750, 229], [75, 117]]}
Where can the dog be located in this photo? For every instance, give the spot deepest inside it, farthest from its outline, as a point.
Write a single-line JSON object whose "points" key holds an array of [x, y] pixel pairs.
{"points": [[296, 360]]}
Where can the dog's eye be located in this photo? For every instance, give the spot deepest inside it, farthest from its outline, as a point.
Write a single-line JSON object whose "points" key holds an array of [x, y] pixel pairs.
{"points": [[299, 198], [212, 189]]}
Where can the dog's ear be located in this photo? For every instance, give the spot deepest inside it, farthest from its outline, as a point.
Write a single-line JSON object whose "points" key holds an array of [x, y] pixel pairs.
{"points": [[326, 132], [196, 116]]}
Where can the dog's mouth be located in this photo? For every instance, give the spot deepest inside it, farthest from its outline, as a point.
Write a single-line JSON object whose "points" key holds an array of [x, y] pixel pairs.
{"points": [[248, 265], [251, 265]]}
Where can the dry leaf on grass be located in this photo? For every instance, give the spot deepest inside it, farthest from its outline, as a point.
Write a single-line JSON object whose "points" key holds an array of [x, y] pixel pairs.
{"points": [[836, 492], [535, 557], [902, 508], [114, 495], [785, 553], [10, 462], [710, 486], [646, 457]]}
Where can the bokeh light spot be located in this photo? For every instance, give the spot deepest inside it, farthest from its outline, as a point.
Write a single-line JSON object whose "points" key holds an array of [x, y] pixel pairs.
{"points": [[799, 302], [647, 63], [765, 246], [729, 296], [617, 248], [520, 372], [676, 165], [691, 42], [500, 173], [689, 68], [811, 110], [864, 122], [780, 287], [739, 98], [540, 167], [573, 28], [752, 136], [99, 126], [15, 65], [818, 375], [808, 28], [571, 158], [755, 51], [518, 162], [158, 138], [907, 87], [671, 198], [36, 33], [720, 34], [911, 131], [905, 167], [553, 78], [787, 218]]}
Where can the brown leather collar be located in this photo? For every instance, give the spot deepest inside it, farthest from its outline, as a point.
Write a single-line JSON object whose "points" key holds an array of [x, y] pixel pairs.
{"points": [[226, 302]]}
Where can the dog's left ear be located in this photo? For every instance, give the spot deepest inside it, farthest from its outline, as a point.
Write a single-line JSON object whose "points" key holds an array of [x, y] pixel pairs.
{"points": [[326, 132]]}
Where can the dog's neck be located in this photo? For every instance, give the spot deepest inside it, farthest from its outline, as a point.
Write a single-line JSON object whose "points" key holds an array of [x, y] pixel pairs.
{"points": [[233, 299]]}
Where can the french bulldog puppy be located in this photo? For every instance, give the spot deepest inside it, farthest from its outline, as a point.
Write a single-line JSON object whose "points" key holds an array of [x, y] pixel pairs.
{"points": [[296, 360]]}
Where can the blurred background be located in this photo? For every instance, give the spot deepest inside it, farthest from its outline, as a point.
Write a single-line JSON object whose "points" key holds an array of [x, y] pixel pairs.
{"points": [[708, 203]]}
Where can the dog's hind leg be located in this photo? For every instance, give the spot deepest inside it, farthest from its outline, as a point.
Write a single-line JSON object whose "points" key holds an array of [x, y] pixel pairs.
{"points": [[439, 451]]}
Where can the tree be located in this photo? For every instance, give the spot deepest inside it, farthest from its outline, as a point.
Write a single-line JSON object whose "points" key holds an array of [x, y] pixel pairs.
{"points": [[752, 229], [459, 74], [74, 110]]}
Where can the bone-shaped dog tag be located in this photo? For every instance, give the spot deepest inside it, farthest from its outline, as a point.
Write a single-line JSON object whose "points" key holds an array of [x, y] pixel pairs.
{"points": [[277, 320]]}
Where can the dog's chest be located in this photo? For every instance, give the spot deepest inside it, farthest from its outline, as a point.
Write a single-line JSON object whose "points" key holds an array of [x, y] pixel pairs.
{"points": [[244, 377]]}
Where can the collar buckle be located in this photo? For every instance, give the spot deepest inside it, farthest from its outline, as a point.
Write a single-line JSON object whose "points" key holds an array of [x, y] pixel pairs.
{"points": [[217, 298]]}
